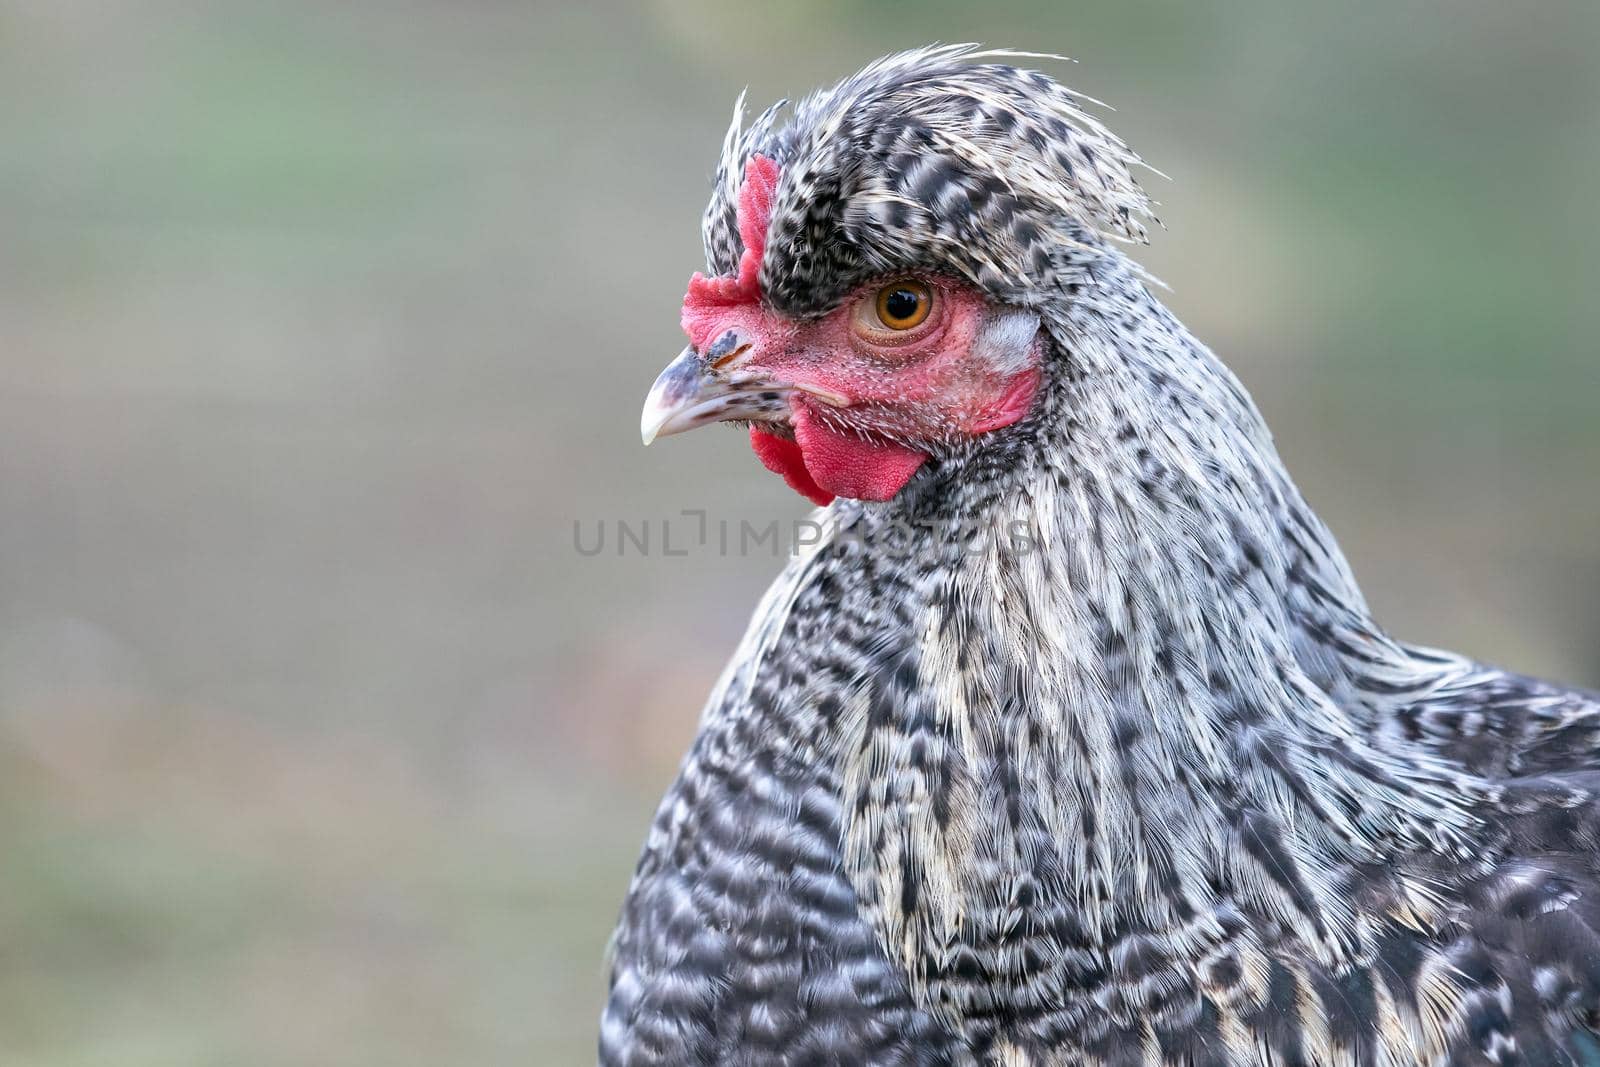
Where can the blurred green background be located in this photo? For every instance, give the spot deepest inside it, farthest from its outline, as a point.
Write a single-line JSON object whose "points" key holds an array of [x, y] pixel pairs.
{"points": [[321, 324]]}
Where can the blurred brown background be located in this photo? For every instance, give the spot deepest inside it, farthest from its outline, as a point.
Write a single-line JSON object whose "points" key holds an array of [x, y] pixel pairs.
{"points": [[320, 325]]}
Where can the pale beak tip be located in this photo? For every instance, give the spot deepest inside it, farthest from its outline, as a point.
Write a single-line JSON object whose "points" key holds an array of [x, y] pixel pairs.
{"points": [[658, 412], [674, 391]]}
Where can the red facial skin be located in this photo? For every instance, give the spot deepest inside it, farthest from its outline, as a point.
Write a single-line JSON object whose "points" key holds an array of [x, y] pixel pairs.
{"points": [[895, 389]]}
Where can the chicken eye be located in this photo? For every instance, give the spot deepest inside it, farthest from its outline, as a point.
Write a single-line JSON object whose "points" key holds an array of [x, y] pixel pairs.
{"points": [[904, 305]]}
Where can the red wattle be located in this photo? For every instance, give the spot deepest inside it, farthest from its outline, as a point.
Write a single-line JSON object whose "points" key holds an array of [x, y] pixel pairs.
{"points": [[822, 463], [847, 465], [782, 457]]}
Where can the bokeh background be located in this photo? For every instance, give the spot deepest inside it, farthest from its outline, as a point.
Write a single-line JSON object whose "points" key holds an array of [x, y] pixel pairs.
{"points": [[322, 324]]}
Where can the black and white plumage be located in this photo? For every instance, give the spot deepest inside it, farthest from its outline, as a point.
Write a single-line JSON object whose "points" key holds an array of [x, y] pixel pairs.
{"points": [[1082, 747]]}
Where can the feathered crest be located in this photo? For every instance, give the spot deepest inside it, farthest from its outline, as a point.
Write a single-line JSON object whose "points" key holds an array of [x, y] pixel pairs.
{"points": [[936, 159]]}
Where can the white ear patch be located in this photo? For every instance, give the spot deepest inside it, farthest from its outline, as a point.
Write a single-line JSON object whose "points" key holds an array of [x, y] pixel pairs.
{"points": [[1005, 339]]}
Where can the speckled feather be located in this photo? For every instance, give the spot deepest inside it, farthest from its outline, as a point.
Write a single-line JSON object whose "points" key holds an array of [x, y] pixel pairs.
{"points": [[1105, 762]]}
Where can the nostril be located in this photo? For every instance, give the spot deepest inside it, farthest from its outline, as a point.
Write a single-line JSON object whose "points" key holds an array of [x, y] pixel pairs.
{"points": [[730, 357], [727, 344]]}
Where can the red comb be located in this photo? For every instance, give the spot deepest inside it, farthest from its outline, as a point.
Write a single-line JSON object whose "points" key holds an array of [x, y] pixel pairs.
{"points": [[706, 295]]}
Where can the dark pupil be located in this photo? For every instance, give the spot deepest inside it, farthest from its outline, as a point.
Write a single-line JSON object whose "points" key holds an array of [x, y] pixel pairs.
{"points": [[901, 304]]}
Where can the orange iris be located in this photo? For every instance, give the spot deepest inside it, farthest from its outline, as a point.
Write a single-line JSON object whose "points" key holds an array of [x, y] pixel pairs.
{"points": [[904, 305]]}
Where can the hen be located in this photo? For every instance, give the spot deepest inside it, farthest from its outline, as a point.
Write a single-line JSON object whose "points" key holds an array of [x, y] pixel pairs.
{"points": [[1073, 741]]}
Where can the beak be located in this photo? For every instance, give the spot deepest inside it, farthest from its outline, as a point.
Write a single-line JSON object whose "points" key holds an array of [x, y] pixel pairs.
{"points": [[716, 387], [680, 395]]}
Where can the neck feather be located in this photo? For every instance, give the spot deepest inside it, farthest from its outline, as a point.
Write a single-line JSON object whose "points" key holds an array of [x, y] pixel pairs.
{"points": [[1119, 666]]}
